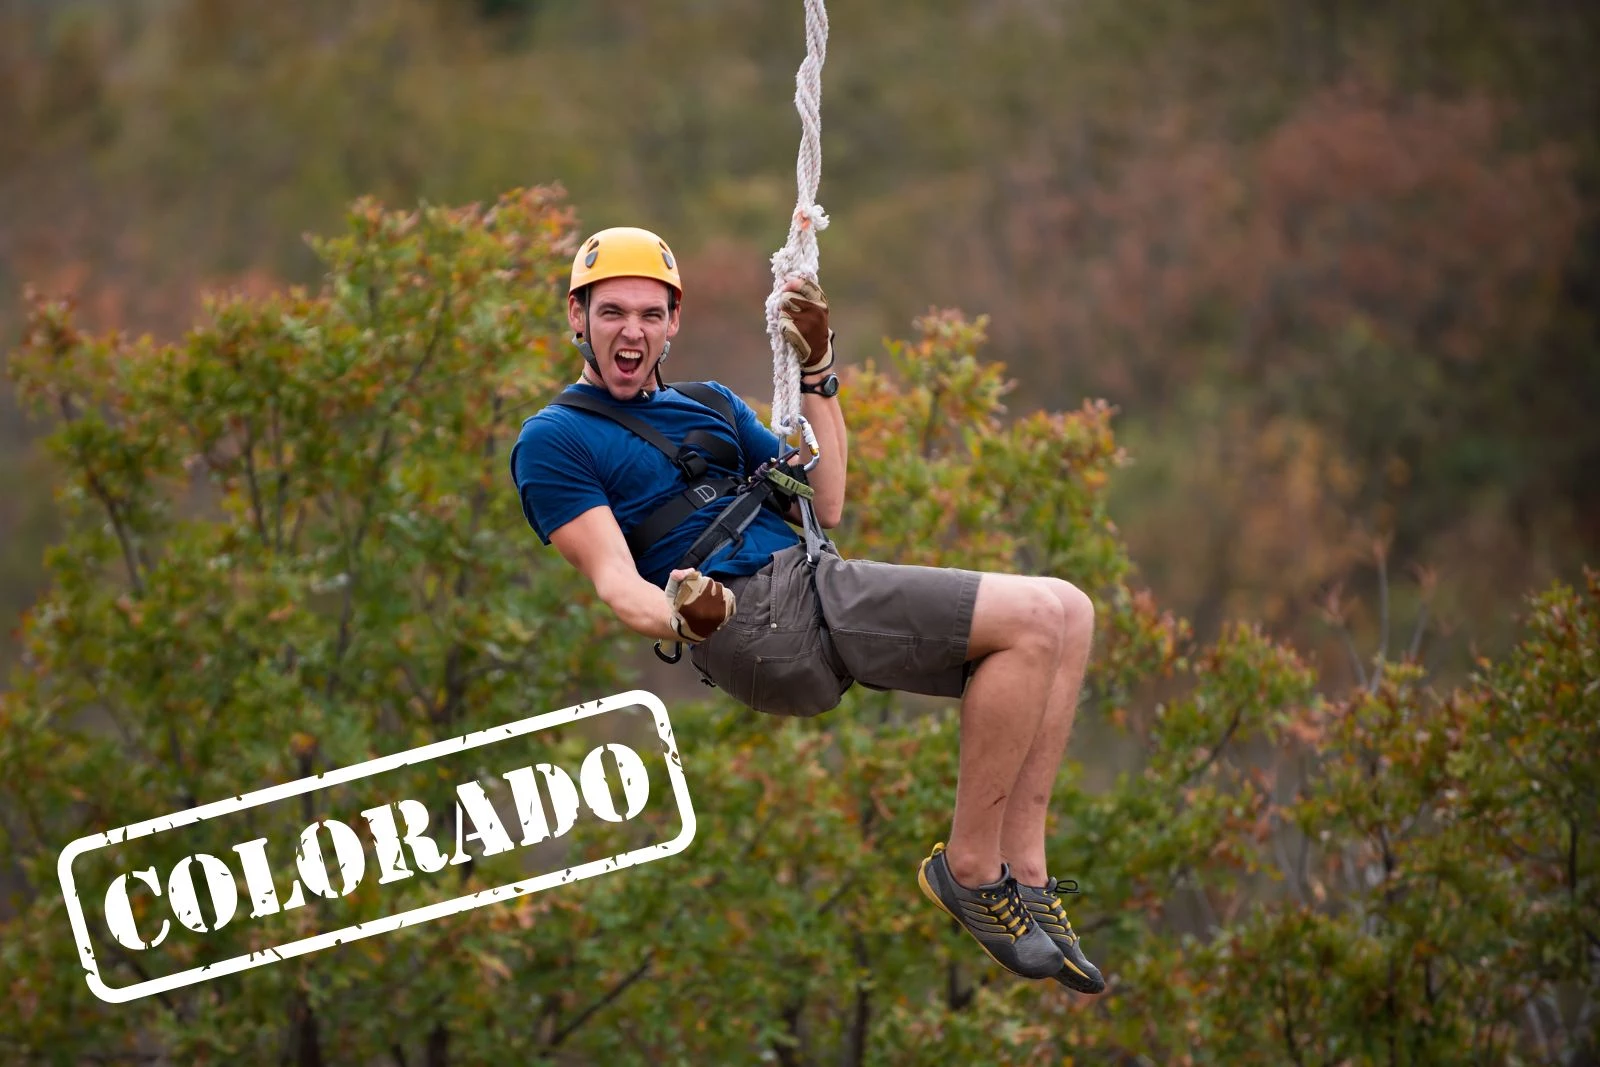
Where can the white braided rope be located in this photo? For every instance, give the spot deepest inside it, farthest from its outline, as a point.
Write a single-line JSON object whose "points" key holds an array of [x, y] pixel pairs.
{"points": [[798, 257]]}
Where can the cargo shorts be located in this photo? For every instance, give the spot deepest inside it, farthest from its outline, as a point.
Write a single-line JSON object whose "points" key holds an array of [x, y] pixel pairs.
{"points": [[793, 647]]}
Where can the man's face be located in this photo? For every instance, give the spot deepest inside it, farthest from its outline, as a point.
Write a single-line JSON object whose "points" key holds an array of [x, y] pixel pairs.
{"points": [[629, 326]]}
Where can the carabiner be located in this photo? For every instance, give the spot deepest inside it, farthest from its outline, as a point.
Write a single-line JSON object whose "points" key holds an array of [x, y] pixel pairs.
{"points": [[810, 438]]}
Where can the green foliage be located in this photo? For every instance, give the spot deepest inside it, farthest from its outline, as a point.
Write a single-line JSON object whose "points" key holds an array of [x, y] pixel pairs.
{"points": [[358, 584], [1270, 874]]}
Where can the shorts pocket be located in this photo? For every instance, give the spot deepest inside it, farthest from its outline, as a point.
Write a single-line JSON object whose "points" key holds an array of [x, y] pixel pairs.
{"points": [[723, 659], [799, 684]]}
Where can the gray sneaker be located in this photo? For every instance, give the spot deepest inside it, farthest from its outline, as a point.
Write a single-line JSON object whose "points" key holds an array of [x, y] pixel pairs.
{"points": [[1044, 905], [994, 915]]}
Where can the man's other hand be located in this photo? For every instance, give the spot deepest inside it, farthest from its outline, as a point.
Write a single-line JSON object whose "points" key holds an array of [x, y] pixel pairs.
{"points": [[804, 320], [700, 605]]}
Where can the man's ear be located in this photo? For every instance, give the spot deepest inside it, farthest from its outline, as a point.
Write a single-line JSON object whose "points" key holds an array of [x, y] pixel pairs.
{"points": [[574, 313], [673, 318]]}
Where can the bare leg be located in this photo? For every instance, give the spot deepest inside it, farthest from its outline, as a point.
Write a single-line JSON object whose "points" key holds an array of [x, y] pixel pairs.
{"points": [[1022, 836], [1017, 628]]}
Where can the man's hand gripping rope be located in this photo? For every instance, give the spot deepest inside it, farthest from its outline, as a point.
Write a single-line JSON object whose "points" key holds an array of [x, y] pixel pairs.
{"points": [[804, 322]]}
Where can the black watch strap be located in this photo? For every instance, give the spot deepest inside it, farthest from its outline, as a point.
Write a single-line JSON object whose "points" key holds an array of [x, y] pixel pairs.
{"points": [[828, 386]]}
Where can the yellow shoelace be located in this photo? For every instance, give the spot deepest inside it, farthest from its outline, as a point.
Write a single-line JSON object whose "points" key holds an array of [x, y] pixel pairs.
{"points": [[1010, 915]]}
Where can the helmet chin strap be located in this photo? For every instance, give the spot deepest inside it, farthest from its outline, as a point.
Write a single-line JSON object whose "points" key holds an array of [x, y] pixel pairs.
{"points": [[582, 341], [666, 347]]}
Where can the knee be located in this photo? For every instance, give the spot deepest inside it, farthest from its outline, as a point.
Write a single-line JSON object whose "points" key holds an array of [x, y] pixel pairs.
{"points": [[1042, 620], [1077, 611], [1019, 613]]}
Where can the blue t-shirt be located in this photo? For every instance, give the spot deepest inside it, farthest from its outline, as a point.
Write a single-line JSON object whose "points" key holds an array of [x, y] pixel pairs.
{"points": [[567, 461]]}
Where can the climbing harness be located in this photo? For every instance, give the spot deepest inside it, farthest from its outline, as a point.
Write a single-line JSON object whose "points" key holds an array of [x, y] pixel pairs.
{"points": [[776, 483]]}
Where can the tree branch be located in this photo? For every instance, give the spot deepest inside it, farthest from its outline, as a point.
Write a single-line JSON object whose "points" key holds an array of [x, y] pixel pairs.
{"points": [[144, 976], [1572, 860], [610, 995], [306, 1043], [1355, 656], [932, 424], [1416, 636], [1216, 749], [282, 481], [438, 1054], [299, 522], [860, 1022], [791, 1054], [130, 556], [256, 510], [955, 998], [1383, 615], [1288, 1022], [638, 972]]}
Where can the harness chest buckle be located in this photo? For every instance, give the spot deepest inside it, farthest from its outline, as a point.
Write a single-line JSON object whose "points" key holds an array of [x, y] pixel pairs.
{"points": [[691, 463]]}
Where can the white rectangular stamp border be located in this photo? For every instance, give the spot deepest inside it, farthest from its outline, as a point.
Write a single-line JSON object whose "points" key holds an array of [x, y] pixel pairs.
{"points": [[511, 890]]}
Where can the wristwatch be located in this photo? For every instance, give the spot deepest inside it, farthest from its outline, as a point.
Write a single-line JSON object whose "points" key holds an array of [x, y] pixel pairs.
{"points": [[829, 386]]}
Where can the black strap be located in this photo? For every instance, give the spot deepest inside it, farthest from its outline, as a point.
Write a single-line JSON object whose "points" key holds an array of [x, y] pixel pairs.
{"points": [[616, 414], [712, 399], [729, 526], [664, 519], [719, 449], [686, 457]]}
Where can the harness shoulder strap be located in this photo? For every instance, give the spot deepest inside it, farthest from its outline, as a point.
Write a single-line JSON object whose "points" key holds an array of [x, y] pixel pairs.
{"points": [[714, 446], [637, 425], [712, 399]]}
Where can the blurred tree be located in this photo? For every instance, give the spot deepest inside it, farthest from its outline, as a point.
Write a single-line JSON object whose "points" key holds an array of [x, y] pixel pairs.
{"points": [[1396, 875]]}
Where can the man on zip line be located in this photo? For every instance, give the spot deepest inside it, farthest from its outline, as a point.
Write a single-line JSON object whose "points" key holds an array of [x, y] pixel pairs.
{"points": [[644, 486]]}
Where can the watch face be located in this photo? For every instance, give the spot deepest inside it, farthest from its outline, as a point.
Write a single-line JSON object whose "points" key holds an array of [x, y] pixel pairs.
{"points": [[829, 386]]}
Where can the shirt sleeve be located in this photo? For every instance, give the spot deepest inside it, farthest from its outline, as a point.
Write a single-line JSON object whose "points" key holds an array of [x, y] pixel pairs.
{"points": [[555, 476], [758, 443]]}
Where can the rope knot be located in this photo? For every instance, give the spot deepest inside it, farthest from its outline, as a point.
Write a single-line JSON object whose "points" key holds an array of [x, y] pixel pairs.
{"points": [[812, 216]]}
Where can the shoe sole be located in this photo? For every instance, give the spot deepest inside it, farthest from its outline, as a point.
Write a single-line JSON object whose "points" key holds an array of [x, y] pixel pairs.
{"points": [[1068, 965], [1069, 982], [933, 895]]}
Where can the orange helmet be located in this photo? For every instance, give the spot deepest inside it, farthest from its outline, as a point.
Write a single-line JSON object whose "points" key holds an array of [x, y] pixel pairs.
{"points": [[625, 252]]}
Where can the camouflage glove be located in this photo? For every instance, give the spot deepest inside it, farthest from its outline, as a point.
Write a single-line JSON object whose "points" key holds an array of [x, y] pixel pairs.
{"points": [[700, 606], [804, 320]]}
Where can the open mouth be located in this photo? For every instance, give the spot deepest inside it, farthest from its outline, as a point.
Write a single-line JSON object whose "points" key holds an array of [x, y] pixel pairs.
{"points": [[629, 360]]}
